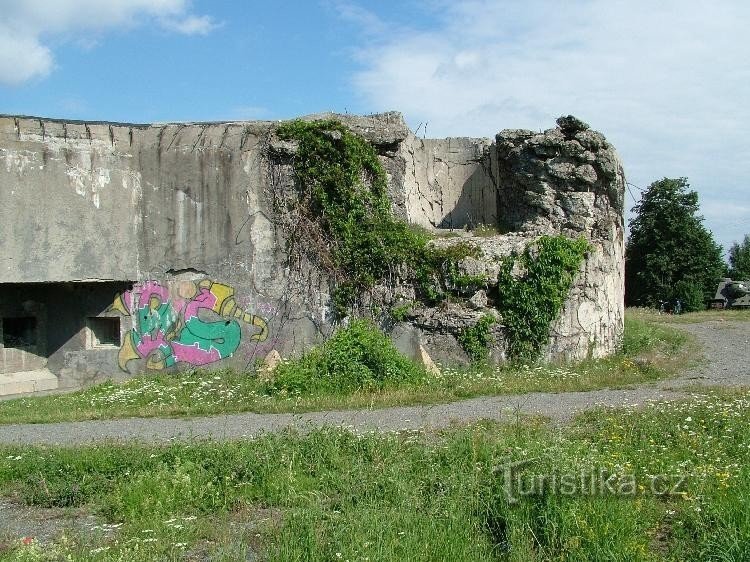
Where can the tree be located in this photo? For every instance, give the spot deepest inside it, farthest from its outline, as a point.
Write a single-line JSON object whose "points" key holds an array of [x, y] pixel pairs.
{"points": [[670, 254], [739, 260]]}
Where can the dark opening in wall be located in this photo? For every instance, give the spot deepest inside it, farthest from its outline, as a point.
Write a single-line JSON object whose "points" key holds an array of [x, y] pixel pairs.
{"points": [[19, 332], [103, 332]]}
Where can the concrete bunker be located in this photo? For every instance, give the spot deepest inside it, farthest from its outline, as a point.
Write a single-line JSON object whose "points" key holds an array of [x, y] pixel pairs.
{"points": [[182, 215], [64, 333]]}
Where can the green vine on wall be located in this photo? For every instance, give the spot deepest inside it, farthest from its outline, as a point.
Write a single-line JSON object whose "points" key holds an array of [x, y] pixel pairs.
{"points": [[529, 303], [476, 340], [347, 223], [343, 195]]}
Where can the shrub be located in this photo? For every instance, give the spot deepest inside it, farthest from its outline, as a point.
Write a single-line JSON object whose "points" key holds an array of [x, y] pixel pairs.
{"points": [[690, 295], [357, 357]]}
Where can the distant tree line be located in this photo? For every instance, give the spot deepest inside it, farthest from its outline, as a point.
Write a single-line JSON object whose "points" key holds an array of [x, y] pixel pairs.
{"points": [[670, 255], [739, 260]]}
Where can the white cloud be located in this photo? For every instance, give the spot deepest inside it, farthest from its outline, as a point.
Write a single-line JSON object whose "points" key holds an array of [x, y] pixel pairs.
{"points": [[191, 25], [26, 27], [667, 82], [22, 57]]}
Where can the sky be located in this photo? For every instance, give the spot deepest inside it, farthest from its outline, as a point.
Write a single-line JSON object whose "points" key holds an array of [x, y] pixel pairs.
{"points": [[667, 82]]}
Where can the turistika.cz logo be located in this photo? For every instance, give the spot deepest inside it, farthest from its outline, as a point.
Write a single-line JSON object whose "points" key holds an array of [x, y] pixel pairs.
{"points": [[517, 483]]}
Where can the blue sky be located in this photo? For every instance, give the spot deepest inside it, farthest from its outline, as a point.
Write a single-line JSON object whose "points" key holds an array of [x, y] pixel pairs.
{"points": [[668, 83]]}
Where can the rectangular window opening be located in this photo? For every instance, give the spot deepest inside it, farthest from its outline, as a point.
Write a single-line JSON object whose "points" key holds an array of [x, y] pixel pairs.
{"points": [[19, 332], [103, 332]]}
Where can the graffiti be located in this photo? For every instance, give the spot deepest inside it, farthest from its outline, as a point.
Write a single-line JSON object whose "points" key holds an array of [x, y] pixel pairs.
{"points": [[194, 323]]}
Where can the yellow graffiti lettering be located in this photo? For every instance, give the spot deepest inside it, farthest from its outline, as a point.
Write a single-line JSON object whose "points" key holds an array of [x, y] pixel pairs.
{"points": [[263, 325], [119, 305], [127, 352]]}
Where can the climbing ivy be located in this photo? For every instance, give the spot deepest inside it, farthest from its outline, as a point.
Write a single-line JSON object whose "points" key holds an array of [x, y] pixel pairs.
{"points": [[529, 303], [343, 197], [343, 217], [476, 339], [343, 190]]}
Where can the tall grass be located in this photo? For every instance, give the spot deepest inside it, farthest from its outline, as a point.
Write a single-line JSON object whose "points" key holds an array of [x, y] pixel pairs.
{"points": [[335, 495], [357, 358], [646, 336]]}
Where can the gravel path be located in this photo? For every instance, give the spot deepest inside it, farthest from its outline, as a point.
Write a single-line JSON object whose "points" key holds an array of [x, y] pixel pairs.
{"points": [[725, 345]]}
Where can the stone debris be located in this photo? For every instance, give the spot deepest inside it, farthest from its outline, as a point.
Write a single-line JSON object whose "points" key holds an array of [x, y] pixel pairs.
{"points": [[426, 361], [479, 300], [270, 362]]}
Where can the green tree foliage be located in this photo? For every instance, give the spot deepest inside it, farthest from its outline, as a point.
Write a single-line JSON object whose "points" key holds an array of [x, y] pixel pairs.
{"points": [[739, 259], [670, 254]]}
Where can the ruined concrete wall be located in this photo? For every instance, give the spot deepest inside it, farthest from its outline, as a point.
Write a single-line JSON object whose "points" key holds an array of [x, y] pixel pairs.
{"points": [[569, 180], [62, 343], [184, 213], [566, 180], [178, 210], [450, 184]]}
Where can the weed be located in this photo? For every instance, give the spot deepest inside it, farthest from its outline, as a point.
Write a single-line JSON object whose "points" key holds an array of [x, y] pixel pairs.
{"points": [[642, 336], [400, 312], [660, 352], [358, 357], [343, 197], [344, 222], [421, 495]]}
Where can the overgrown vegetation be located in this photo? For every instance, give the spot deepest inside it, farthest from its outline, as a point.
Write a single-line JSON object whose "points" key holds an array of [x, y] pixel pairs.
{"points": [[336, 495], [346, 220], [647, 336], [529, 303], [357, 358], [400, 312], [346, 225], [660, 352], [344, 203], [476, 339], [437, 273]]}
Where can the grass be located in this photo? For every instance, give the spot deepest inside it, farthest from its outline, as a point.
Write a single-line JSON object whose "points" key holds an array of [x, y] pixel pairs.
{"points": [[720, 315], [336, 495], [650, 352]]}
